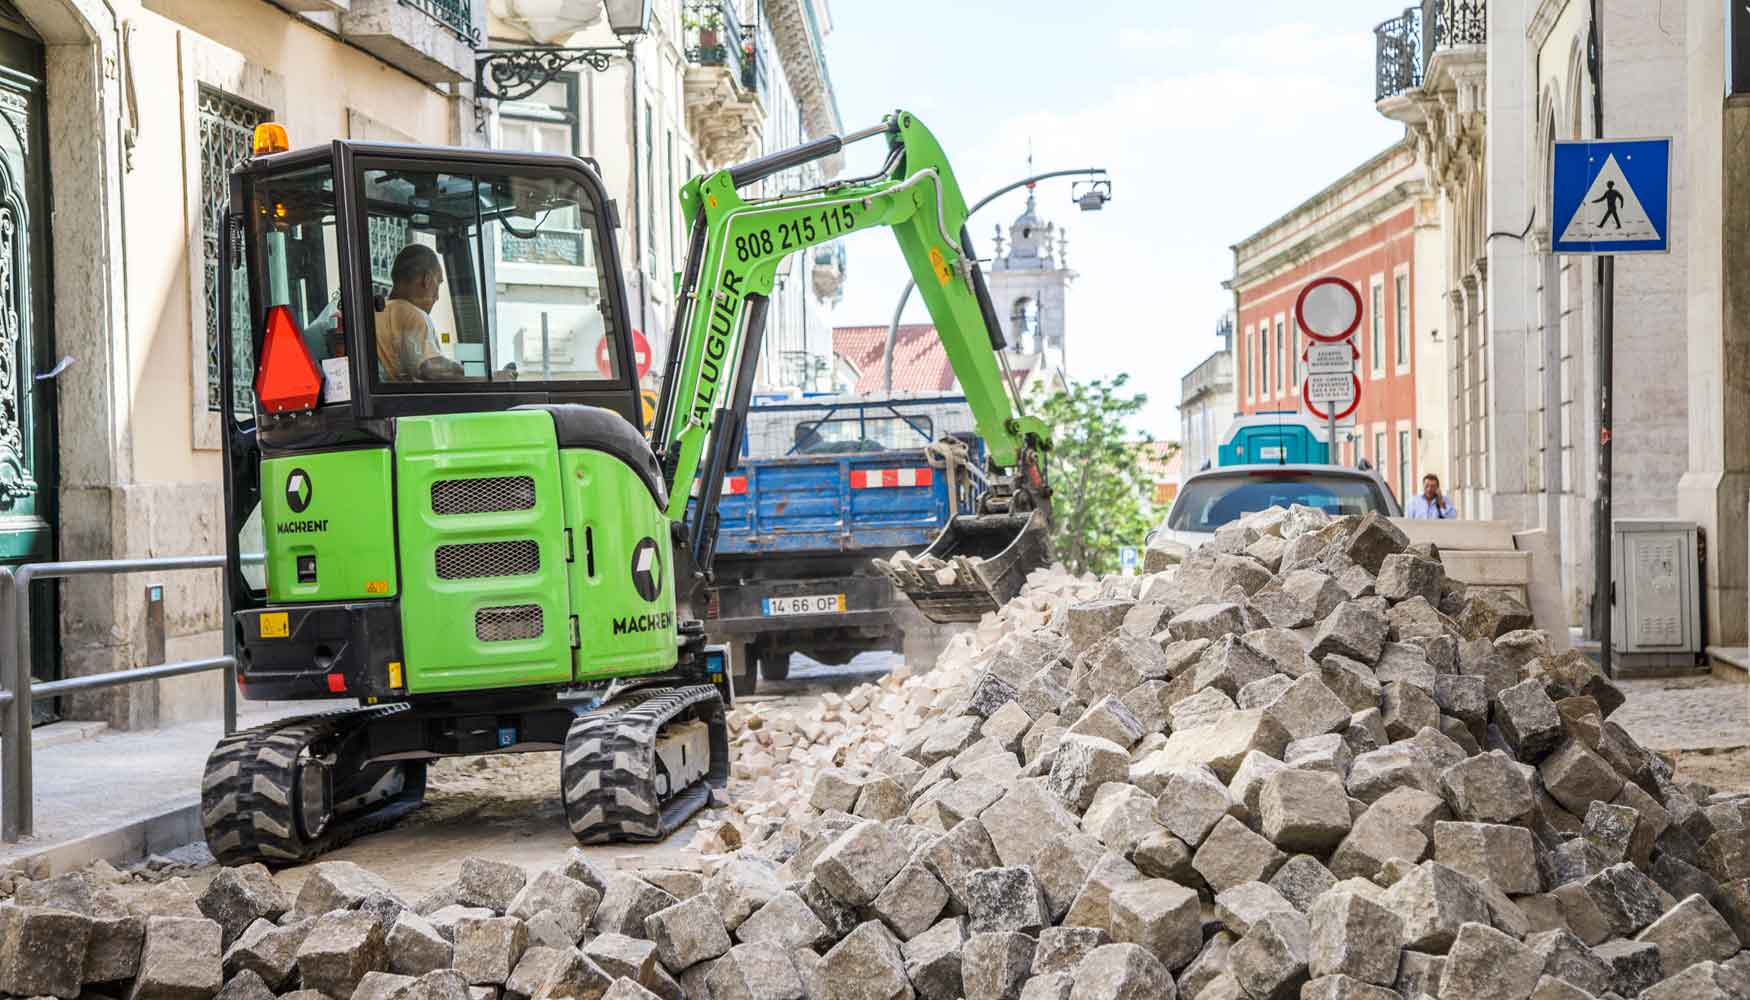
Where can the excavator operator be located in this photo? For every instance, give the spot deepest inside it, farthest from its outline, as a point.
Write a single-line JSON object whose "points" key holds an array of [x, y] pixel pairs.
{"points": [[407, 341]]}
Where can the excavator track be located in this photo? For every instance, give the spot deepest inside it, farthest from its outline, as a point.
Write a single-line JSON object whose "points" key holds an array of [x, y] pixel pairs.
{"points": [[254, 790], [610, 767]]}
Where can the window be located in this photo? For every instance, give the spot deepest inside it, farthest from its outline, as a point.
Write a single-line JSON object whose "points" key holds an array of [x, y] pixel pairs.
{"points": [[1376, 344], [650, 188], [1246, 362], [1280, 349], [546, 121], [1209, 502], [544, 292], [1403, 466], [1379, 459], [1264, 361], [851, 435], [670, 191], [227, 128], [1402, 292], [1298, 350]]}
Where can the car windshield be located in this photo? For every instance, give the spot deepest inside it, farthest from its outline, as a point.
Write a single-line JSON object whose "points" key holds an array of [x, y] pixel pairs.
{"points": [[1207, 504]]}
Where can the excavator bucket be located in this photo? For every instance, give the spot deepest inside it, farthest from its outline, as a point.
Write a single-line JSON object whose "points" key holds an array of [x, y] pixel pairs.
{"points": [[977, 564]]}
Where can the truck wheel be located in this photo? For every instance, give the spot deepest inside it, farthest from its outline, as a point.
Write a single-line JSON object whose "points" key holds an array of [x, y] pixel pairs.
{"points": [[743, 669], [775, 666]]}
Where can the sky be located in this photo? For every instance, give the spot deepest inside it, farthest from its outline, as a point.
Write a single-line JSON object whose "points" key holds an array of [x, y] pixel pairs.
{"points": [[1213, 118]]}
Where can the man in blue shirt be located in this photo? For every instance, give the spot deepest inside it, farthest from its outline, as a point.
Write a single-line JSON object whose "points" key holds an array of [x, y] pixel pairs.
{"points": [[1429, 503]]}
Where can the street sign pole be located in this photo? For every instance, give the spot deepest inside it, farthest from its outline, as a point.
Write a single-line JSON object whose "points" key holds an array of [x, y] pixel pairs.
{"points": [[1603, 587]]}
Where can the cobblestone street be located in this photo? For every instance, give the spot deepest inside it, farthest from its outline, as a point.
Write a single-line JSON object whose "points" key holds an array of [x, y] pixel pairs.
{"points": [[1698, 713]]}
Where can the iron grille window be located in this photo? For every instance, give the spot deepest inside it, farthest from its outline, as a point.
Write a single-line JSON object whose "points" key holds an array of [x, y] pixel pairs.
{"points": [[456, 15], [387, 235], [227, 127]]}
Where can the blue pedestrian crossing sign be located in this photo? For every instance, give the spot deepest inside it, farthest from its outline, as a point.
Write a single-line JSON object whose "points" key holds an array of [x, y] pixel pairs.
{"points": [[1612, 196]]}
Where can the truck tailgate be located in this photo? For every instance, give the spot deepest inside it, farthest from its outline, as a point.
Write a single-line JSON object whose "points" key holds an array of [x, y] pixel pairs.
{"points": [[888, 500]]}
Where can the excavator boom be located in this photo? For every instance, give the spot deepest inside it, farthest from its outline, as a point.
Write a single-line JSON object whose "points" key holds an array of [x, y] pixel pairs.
{"points": [[737, 245]]}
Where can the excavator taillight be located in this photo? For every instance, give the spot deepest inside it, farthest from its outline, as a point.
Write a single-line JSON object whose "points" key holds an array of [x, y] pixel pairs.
{"points": [[287, 379], [337, 683]]}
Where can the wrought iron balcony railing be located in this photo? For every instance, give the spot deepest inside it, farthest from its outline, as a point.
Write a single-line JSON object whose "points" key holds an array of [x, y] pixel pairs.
{"points": [[713, 35], [753, 62], [1398, 54], [1455, 22], [456, 15], [1404, 45]]}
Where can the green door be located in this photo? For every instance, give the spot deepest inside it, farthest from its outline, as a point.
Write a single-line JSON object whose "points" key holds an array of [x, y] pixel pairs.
{"points": [[27, 351]]}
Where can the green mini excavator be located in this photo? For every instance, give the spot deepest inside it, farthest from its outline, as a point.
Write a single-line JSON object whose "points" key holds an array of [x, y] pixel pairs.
{"points": [[441, 503]]}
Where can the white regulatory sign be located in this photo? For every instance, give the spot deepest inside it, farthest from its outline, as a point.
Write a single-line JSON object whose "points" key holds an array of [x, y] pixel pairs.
{"points": [[1331, 387], [1330, 359]]}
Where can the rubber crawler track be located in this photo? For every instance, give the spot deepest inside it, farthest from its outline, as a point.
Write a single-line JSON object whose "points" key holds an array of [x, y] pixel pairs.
{"points": [[609, 770], [247, 805]]}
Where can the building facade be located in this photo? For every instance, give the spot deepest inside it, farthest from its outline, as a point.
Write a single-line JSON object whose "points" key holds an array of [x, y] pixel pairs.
{"points": [[1377, 227], [1485, 91], [712, 83], [1206, 403], [123, 120]]}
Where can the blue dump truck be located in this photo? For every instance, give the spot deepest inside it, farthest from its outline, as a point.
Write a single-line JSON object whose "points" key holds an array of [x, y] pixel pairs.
{"points": [[824, 487]]}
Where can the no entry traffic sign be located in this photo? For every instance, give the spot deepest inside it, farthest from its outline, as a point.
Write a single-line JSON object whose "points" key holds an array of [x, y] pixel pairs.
{"points": [[641, 358], [1328, 309]]}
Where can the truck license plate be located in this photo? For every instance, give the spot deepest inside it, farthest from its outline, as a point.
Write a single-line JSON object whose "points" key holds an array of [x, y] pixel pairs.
{"points": [[819, 604]]}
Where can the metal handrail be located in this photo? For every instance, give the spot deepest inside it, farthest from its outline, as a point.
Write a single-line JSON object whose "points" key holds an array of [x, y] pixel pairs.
{"points": [[17, 690]]}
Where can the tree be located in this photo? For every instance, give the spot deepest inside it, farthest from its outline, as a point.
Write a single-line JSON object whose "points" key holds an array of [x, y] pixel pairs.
{"points": [[1101, 493]]}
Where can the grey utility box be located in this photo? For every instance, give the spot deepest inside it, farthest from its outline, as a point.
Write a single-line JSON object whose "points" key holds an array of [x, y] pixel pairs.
{"points": [[1656, 619]]}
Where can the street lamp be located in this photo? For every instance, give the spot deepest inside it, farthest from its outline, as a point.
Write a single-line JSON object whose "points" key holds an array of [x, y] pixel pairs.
{"points": [[1090, 195], [513, 74]]}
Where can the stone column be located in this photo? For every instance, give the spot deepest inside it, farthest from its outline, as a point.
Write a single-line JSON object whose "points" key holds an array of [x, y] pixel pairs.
{"points": [[1715, 490]]}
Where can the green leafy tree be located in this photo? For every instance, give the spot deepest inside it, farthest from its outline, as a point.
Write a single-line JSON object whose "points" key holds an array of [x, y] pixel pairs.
{"points": [[1101, 490]]}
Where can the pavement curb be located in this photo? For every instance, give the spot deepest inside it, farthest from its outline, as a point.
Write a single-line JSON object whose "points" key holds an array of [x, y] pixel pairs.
{"points": [[127, 841]]}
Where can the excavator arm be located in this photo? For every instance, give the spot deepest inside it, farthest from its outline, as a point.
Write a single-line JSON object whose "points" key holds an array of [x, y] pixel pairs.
{"points": [[735, 249]]}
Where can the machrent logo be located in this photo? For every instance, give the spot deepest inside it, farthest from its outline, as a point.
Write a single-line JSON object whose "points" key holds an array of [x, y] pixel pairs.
{"points": [[299, 491], [661, 620], [647, 569]]}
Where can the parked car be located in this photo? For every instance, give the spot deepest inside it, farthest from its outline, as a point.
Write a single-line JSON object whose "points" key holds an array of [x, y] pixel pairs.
{"points": [[1214, 497]]}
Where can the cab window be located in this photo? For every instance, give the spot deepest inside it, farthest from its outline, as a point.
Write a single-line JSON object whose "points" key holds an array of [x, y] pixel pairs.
{"points": [[293, 217], [485, 278]]}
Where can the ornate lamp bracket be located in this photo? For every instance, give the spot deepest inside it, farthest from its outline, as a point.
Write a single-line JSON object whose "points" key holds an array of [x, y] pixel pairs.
{"points": [[513, 74]]}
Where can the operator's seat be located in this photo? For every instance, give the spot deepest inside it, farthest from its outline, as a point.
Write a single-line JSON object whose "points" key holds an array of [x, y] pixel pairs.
{"points": [[580, 426]]}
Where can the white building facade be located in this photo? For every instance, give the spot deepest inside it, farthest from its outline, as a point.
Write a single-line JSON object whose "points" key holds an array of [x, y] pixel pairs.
{"points": [[1207, 404], [1486, 89]]}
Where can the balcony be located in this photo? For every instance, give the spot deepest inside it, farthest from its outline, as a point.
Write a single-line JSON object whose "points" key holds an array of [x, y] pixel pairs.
{"points": [[725, 80], [1439, 45], [432, 39], [1431, 74], [1398, 56]]}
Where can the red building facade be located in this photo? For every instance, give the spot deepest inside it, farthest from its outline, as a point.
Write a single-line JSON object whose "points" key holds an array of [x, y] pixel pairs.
{"points": [[1364, 228]]}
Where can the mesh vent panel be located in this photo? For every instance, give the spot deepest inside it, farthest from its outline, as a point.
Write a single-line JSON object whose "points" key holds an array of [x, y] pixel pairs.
{"points": [[520, 621], [482, 496], [473, 560]]}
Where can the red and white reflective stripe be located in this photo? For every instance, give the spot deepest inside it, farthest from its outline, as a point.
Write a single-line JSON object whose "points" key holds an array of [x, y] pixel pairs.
{"points": [[873, 479], [735, 486]]}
